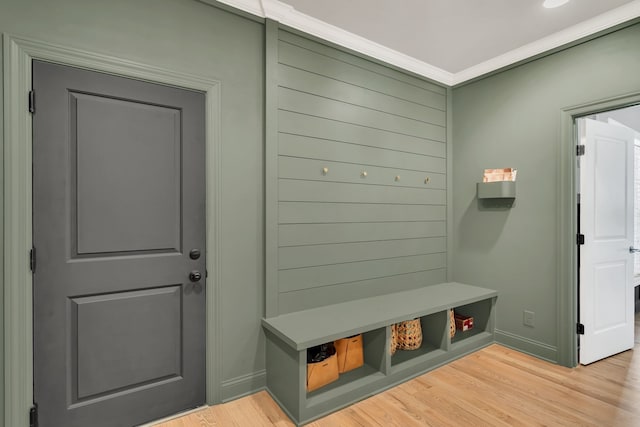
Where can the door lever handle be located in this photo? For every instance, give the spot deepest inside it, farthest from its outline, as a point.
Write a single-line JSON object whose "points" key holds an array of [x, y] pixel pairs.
{"points": [[633, 250]]}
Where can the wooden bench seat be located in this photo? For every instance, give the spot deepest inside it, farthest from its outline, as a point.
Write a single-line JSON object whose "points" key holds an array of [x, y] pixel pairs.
{"points": [[304, 329]]}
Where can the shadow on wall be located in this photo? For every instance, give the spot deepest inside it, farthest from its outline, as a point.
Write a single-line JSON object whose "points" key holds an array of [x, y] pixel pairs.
{"points": [[483, 222]]}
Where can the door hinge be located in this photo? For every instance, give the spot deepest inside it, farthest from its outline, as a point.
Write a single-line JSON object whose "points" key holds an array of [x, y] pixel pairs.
{"points": [[579, 329], [33, 416], [32, 102], [32, 260], [580, 239], [580, 149]]}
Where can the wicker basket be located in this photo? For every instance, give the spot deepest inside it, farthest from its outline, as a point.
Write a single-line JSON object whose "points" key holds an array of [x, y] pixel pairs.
{"points": [[409, 334], [393, 345], [452, 324]]}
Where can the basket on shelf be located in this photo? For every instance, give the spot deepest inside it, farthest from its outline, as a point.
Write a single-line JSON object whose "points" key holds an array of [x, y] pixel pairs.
{"points": [[409, 333], [393, 345], [463, 322], [452, 323], [322, 366], [350, 353]]}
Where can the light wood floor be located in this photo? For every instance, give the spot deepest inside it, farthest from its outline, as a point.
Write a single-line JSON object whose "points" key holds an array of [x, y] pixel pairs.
{"points": [[495, 386]]}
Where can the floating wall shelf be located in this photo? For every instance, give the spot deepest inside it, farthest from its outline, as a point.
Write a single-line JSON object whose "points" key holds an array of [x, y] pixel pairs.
{"points": [[497, 190]]}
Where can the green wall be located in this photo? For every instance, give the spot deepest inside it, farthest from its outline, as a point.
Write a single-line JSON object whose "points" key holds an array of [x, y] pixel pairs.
{"points": [[342, 235], [509, 119], [513, 119], [191, 37], [2, 246]]}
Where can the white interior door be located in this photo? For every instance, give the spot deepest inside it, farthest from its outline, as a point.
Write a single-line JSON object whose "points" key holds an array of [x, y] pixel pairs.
{"points": [[606, 271]]}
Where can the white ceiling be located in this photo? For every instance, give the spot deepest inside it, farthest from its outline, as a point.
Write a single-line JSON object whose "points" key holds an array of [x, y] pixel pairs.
{"points": [[452, 34], [450, 41], [629, 117]]}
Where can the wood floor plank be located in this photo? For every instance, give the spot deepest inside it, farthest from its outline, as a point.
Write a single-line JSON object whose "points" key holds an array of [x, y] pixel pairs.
{"points": [[495, 386]]}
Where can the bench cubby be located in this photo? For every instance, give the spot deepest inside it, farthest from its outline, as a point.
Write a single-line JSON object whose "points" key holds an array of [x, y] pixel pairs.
{"points": [[289, 335], [434, 340], [482, 328]]}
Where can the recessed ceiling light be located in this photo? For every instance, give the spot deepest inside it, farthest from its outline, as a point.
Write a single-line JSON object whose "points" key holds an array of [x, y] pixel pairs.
{"points": [[550, 4]]}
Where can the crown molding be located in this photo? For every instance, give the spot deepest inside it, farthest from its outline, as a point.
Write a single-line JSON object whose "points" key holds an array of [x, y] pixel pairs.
{"points": [[579, 31], [287, 15], [253, 7]]}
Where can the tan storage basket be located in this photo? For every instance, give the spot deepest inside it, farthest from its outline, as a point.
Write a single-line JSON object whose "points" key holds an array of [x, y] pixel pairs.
{"points": [[322, 373], [452, 324], [350, 353], [409, 334], [393, 345]]}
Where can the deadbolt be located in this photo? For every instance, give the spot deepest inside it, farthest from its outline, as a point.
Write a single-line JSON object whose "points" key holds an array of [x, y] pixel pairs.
{"points": [[195, 276], [194, 254]]}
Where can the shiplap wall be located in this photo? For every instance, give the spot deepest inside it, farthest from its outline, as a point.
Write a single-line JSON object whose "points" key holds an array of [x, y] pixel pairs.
{"points": [[341, 235]]}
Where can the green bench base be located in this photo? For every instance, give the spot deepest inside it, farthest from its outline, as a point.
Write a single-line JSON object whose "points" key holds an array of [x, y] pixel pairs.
{"points": [[289, 336]]}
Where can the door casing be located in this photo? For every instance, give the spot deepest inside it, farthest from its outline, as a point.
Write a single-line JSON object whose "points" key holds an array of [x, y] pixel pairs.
{"points": [[567, 278], [17, 208]]}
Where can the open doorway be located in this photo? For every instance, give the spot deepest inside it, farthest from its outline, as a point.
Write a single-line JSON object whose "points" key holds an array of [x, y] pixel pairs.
{"points": [[608, 232]]}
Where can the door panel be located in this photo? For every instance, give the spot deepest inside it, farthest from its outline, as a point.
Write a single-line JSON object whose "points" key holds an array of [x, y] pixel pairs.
{"points": [[147, 322], [610, 182], [606, 270], [610, 288], [119, 329], [128, 177]]}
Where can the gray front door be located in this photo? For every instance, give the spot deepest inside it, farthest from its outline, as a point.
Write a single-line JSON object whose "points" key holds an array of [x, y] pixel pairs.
{"points": [[119, 213]]}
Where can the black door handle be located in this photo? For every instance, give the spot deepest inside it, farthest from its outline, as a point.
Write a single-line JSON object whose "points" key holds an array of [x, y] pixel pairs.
{"points": [[195, 276]]}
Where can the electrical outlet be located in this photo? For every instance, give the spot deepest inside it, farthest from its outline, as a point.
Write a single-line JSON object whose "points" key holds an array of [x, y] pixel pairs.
{"points": [[529, 318]]}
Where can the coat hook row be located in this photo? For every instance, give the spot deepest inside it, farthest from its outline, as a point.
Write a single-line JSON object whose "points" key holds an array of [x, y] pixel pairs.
{"points": [[364, 174]]}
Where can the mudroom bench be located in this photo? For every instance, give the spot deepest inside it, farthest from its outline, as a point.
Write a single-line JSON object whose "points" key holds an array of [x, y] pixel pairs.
{"points": [[290, 335]]}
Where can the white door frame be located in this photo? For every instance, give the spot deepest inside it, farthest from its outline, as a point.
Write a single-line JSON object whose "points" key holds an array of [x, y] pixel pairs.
{"points": [[567, 290], [17, 209]]}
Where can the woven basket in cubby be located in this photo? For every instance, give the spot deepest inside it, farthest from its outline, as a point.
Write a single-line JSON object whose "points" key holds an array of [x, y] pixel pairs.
{"points": [[452, 324], [393, 345], [409, 334]]}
